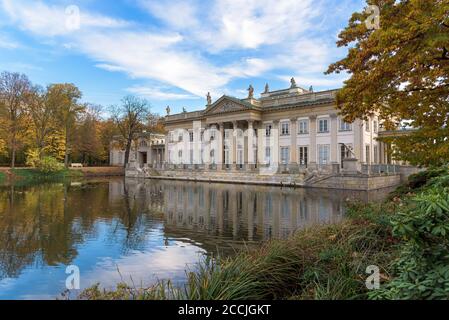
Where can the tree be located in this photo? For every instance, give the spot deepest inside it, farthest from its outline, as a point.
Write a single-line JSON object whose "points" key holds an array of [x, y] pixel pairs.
{"points": [[13, 89], [400, 70], [41, 113], [130, 118], [64, 98]]}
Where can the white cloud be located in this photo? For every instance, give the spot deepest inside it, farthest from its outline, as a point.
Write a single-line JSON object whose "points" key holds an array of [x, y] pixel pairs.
{"points": [[158, 93], [187, 53], [7, 43], [46, 20]]}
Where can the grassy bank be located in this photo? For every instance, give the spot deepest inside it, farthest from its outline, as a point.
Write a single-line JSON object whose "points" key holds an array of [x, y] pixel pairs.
{"points": [[407, 237]]}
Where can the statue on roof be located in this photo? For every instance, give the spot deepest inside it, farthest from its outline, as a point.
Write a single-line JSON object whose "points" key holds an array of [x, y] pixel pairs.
{"points": [[209, 99], [250, 92], [184, 109], [267, 88], [293, 83], [311, 89], [168, 110]]}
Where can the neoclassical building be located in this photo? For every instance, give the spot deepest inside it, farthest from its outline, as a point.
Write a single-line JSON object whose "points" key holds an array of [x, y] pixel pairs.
{"points": [[147, 150], [291, 129]]}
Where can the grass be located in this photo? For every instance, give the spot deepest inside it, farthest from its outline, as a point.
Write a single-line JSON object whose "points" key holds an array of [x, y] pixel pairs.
{"points": [[2, 177], [34, 175]]}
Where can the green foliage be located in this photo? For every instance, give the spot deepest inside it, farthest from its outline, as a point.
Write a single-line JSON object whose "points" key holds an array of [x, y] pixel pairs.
{"points": [[49, 164], [423, 267], [2, 177]]}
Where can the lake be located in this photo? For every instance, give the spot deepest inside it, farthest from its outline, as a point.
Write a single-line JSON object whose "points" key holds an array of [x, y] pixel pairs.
{"points": [[138, 231]]}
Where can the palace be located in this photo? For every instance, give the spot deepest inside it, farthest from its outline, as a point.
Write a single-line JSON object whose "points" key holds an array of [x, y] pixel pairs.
{"points": [[293, 129]]}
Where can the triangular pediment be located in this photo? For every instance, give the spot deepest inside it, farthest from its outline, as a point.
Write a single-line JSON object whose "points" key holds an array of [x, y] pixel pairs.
{"points": [[227, 104]]}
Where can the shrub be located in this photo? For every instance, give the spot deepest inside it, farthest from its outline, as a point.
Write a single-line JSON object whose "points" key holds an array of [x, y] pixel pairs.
{"points": [[49, 164], [422, 270]]}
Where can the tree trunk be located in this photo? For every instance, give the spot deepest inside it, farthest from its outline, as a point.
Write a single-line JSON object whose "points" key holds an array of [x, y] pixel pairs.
{"points": [[13, 152], [127, 151], [66, 152]]}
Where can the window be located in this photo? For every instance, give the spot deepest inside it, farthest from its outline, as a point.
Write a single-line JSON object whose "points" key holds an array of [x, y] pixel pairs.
{"points": [[375, 160], [375, 126], [367, 154], [267, 154], [180, 154], [285, 129], [212, 135], [180, 137], [191, 136], [367, 126], [191, 156], [171, 137], [285, 155], [323, 125], [212, 156], [268, 130], [323, 154], [303, 155], [345, 126], [303, 126], [143, 143]]}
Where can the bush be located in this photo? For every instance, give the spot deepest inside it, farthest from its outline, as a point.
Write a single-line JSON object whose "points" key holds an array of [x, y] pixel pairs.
{"points": [[422, 270], [49, 165]]}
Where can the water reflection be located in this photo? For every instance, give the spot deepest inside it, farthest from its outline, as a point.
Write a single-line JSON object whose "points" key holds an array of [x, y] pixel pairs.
{"points": [[146, 229]]}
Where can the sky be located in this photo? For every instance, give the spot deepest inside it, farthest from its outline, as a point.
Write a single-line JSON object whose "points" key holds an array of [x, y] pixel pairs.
{"points": [[173, 52]]}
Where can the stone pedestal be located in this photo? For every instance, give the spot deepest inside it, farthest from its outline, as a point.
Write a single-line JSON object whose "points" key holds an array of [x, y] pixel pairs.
{"points": [[351, 166]]}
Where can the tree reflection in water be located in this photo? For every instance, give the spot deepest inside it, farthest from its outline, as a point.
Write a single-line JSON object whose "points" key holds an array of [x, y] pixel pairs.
{"points": [[49, 225]]}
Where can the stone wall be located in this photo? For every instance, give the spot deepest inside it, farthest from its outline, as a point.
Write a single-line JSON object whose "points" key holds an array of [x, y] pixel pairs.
{"points": [[359, 182]]}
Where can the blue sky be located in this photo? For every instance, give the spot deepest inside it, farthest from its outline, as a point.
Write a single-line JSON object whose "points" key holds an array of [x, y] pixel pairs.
{"points": [[173, 52]]}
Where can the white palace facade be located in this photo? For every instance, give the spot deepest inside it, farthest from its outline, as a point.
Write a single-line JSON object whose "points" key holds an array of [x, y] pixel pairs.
{"points": [[289, 130]]}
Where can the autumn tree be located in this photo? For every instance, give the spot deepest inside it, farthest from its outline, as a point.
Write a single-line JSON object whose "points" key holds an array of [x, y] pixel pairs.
{"points": [[64, 99], [13, 109], [401, 71], [130, 118]]}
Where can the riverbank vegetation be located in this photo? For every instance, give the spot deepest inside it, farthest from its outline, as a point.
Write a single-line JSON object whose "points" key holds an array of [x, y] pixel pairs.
{"points": [[406, 237]]}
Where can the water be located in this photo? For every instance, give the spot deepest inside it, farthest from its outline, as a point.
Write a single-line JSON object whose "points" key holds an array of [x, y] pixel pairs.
{"points": [[137, 231]]}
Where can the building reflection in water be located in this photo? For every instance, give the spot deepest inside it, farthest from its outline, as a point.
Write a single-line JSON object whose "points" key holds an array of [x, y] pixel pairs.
{"points": [[237, 212]]}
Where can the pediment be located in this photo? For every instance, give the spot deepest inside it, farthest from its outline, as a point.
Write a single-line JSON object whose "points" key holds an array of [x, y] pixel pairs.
{"points": [[226, 104]]}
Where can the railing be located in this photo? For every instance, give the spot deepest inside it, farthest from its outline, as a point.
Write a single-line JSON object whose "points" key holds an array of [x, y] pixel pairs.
{"points": [[185, 115], [380, 169], [308, 97]]}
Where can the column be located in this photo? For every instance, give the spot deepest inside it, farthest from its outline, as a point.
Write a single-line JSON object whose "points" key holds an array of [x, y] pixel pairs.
{"points": [[313, 147], [293, 165], [165, 153], [334, 143], [220, 146], [233, 148], [275, 145], [250, 150], [358, 141], [261, 144]]}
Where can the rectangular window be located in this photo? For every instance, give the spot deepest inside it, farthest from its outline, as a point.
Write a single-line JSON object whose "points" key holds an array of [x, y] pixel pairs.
{"points": [[180, 137], [267, 154], [285, 155], [303, 155], [268, 130], [375, 126], [191, 156], [303, 126], [285, 129], [323, 154], [367, 126], [191, 136], [212, 135], [323, 125], [367, 154], [345, 126], [375, 160]]}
